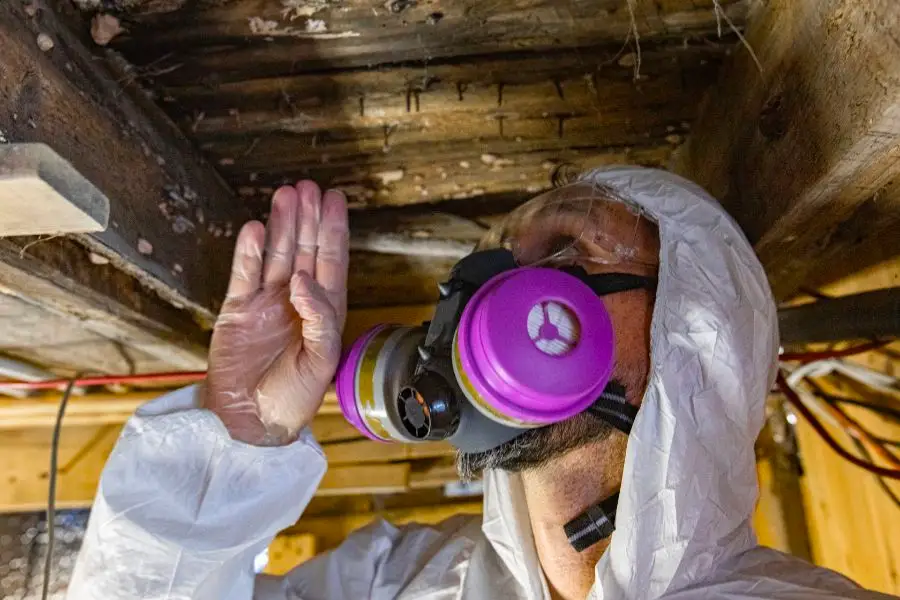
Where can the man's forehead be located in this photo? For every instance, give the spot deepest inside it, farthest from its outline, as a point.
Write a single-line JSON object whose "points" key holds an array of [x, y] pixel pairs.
{"points": [[606, 227]]}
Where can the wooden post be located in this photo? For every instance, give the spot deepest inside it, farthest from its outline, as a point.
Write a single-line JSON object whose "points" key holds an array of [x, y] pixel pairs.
{"points": [[797, 150]]}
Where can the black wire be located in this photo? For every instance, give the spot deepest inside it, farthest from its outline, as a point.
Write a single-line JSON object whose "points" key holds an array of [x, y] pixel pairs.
{"points": [[887, 441], [885, 410], [881, 482], [51, 495]]}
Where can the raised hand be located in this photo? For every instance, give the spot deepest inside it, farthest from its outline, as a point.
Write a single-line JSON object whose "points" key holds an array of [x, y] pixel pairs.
{"points": [[277, 340]]}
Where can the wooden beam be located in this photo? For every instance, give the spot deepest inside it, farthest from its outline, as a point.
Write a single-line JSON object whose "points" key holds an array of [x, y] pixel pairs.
{"points": [[84, 450], [224, 42], [436, 475], [468, 130], [796, 151], [368, 451], [171, 216]]}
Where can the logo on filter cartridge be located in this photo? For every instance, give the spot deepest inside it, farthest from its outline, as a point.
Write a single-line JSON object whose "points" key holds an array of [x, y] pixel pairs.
{"points": [[553, 328]]}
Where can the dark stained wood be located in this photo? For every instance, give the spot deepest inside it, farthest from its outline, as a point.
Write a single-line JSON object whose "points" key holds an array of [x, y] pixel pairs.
{"points": [[443, 131], [466, 108], [797, 153], [96, 301], [262, 38], [157, 186]]}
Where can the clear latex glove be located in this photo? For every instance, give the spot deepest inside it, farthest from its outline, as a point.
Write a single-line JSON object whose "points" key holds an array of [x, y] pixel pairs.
{"points": [[277, 340]]}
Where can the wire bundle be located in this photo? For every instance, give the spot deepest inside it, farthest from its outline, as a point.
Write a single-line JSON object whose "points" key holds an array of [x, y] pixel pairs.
{"points": [[810, 399]]}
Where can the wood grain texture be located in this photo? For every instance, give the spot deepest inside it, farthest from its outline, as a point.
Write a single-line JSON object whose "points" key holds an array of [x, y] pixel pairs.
{"points": [[796, 152], [156, 183], [853, 524], [223, 43], [448, 131], [84, 450]]}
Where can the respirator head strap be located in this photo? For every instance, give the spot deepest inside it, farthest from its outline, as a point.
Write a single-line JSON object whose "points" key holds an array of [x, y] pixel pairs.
{"points": [[604, 284], [596, 523], [612, 406]]}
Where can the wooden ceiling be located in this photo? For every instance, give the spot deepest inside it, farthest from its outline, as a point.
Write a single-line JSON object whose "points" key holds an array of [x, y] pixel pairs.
{"points": [[418, 108]]}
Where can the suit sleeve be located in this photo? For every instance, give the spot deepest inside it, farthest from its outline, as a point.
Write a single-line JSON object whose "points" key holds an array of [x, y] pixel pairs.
{"points": [[182, 509]]}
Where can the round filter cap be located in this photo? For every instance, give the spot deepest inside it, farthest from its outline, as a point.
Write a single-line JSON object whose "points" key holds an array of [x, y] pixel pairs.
{"points": [[537, 344]]}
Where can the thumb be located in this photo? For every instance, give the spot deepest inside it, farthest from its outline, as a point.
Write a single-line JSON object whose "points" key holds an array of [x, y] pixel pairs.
{"points": [[319, 323]]}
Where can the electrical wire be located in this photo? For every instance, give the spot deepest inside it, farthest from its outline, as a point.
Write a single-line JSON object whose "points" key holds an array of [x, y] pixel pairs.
{"points": [[825, 354], [881, 482], [52, 384], [51, 495], [884, 410], [856, 431], [797, 403], [861, 434]]}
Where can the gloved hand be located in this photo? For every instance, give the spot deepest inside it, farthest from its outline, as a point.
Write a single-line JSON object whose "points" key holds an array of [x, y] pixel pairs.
{"points": [[277, 340]]}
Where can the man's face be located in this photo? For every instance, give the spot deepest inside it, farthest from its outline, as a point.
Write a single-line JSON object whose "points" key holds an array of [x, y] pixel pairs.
{"points": [[583, 225]]}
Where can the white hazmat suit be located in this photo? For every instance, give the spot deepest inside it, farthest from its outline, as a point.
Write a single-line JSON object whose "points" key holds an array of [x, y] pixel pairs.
{"points": [[182, 510]]}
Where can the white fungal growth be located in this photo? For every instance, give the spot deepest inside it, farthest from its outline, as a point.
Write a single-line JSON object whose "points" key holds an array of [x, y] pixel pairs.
{"points": [[389, 177], [316, 26], [313, 28], [295, 9]]}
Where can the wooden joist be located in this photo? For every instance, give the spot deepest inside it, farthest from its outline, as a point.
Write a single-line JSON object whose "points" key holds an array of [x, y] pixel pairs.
{"points": [[223, 42], [492, 126], [170, 214], [357, 466], [811, 145]]}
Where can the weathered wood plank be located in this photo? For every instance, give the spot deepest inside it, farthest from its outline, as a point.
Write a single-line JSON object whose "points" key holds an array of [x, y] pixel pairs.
{"points": [[222, 43], [490, 179], [368, 451], [794, 152], [158, 187], [40, 193], [494, 86], [364, 131], [60, 277]]}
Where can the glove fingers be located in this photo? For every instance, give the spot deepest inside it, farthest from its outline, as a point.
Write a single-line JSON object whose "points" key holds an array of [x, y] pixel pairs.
{"points": [[247, 265], [319, 325], [333, 255], [280, 237], [308, 218]]}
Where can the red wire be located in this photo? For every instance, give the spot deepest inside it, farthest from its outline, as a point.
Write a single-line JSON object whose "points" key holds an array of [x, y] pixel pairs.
{"points": [[175, 376], [811, 356], [797, 403]]}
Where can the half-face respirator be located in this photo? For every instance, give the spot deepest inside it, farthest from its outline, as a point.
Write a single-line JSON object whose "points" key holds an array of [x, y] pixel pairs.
{"points": [[510, 348]]}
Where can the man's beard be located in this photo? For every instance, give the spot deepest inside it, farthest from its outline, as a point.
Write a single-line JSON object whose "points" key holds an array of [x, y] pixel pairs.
{"points": [[535, 447]]}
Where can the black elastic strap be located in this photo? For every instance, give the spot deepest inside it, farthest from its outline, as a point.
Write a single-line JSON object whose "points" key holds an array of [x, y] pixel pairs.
{"points": [[612, 283], [596, 523], [612, 406]]}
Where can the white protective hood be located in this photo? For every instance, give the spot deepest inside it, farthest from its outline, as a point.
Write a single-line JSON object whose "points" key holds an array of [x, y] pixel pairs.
{"points": [[689, 487], [182, 510]]}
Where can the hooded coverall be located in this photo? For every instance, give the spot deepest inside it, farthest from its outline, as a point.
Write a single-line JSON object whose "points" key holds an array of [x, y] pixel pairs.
{"points": [[182, 509]]}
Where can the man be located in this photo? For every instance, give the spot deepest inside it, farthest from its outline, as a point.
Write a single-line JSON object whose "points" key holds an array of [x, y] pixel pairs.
{"points": [[202, 479]]}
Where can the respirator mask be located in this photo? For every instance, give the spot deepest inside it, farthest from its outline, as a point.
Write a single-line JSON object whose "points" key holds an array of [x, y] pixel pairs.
{"points": [[520, 337]]}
